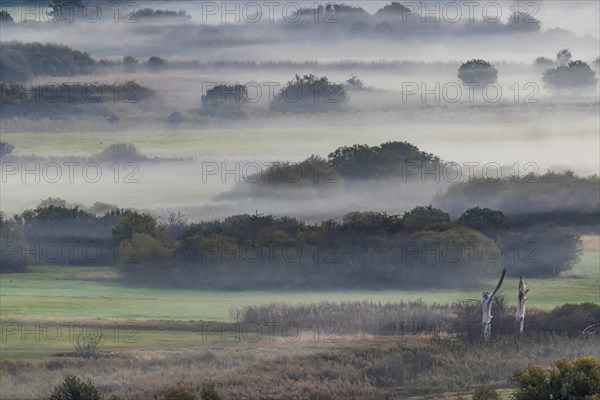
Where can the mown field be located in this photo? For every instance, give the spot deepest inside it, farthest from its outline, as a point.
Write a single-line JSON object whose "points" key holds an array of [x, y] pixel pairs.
{"points": [[51, 292]]}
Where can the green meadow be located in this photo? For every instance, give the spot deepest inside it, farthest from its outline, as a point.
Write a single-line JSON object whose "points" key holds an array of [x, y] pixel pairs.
{"points": [[71, 293]]}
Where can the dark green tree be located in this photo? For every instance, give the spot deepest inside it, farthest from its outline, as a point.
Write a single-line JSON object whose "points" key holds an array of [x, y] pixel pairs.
{"points": [[75, 388], [576, 75], [477, 71], [155, 64], [130, 63]]}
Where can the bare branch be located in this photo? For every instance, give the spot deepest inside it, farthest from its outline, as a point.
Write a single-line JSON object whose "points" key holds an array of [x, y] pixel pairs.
{"points": [[499, 283]]}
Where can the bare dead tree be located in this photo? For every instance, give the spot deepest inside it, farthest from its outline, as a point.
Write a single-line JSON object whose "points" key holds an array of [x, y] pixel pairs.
{"points": [[87, 345], [486, 309], [520, 313]]}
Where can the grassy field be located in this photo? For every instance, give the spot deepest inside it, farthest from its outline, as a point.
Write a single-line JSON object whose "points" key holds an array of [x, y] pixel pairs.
{"points": [[49, 292], [154, 338], [291, 140]]}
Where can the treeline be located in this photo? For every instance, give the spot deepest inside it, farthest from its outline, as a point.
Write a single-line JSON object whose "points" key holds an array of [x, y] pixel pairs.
{"points": [[23, 61], [397, 19], [551, 198], [52, 100], [534, 198], [420, 248], [315, 175]]}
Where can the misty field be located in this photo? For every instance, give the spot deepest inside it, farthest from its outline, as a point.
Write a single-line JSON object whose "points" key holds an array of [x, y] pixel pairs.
{"points": [[90, 293], [135, 318], [299, 200]]}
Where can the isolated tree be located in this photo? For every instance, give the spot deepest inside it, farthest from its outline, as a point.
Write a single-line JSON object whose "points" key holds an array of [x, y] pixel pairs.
{"points": [[486, 309], [86, 345], [576, 75], [477, 71], [310, 93], [155, 64], [563, 57], [520, 311], [355, 83], [74, 387], [6, 148], [224, 98], [120, 151], [130, 63]]}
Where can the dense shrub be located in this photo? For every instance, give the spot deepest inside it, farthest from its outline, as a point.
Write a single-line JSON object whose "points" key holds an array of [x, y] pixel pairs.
{"points": [[572, 319], [310, 93], [540, 250], [486, 393], [142, 250], [225, 99], [73, 388], [125, 152], [311, 178], [389, 160], [573, 380], [577, 75]]}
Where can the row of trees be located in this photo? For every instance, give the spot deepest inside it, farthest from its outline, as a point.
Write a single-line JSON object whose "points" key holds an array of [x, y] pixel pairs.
{"points": [[363, 249], [23, 61]]}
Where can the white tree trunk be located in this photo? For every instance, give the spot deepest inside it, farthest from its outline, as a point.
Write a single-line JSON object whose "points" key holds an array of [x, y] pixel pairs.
{"points": [[520, 312], [486, 309]]}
